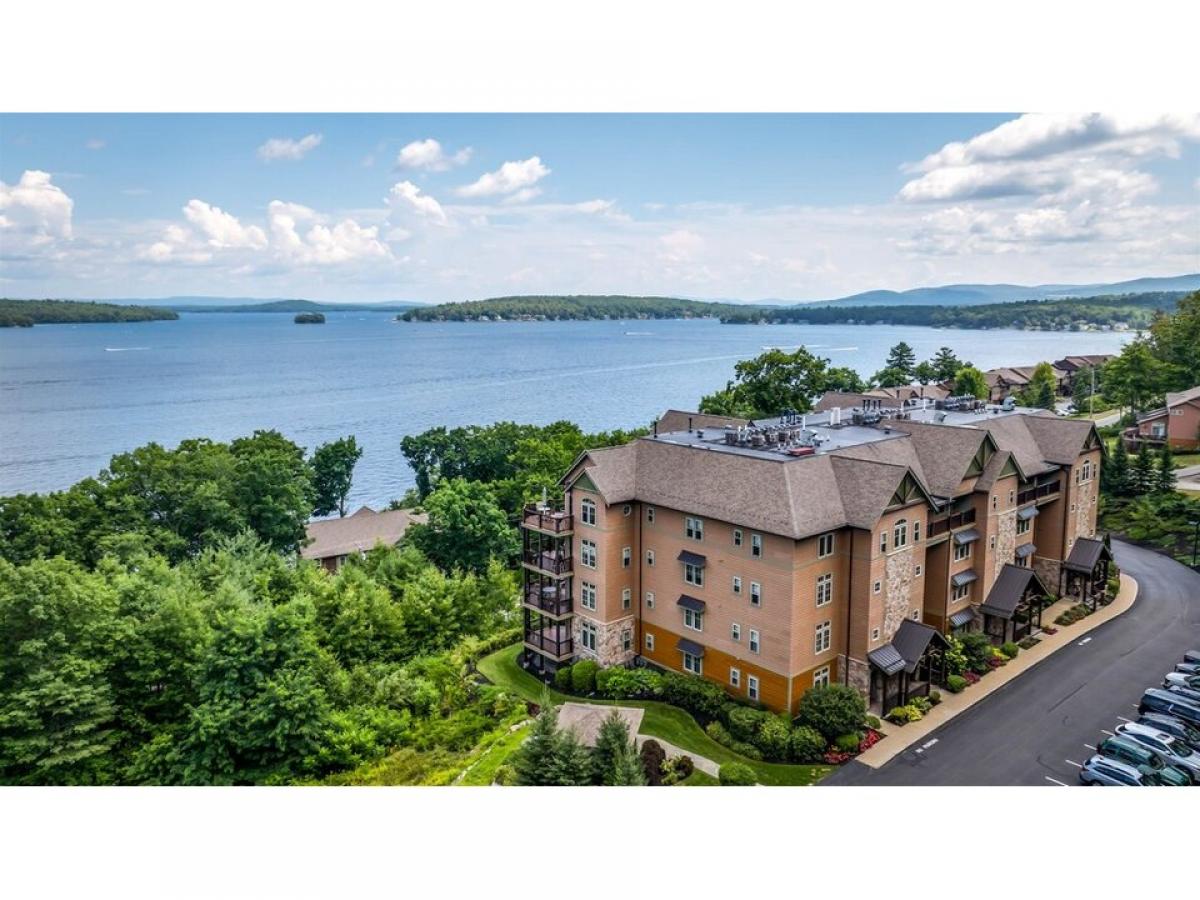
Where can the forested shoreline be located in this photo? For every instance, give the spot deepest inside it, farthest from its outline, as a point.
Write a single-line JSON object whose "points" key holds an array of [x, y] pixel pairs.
{"points": [[27, 313]]}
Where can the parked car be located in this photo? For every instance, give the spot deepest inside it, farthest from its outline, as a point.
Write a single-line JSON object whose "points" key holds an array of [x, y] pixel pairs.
{"points": [[1162, 701], [1183, 679], [1173, 751], [1188, 668], [1172, 726], [1192, 694], [1122, 749], [1192, 656], [1103, 771]]}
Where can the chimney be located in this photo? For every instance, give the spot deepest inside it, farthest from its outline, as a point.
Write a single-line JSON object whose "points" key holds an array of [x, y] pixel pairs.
{"points": [[689, 423], [655, 425]]}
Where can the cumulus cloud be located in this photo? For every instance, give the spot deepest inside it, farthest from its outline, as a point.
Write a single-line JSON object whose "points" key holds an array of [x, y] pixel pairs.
{"points": [[35, 211], [515, 178], [407, 197], [429, 156], [287, 148], [320, 244], [221, 229]]}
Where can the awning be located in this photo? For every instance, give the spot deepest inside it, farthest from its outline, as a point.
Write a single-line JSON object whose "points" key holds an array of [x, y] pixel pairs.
{"points": [[963, 578], [966, 536], [695, 559], [886, 659], [691, 603], [689, 647], [1027, 513], [1086, 553], [1025, 550], [1010, 588], [963, 617]]}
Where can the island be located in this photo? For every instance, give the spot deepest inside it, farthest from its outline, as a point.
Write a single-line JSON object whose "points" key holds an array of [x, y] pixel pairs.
{"points": [[27, 313], [309, 318]]}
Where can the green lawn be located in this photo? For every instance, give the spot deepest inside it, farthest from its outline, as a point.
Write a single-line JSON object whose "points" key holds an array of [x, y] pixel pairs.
{"points": [[661, 720], [699, 779], [1186, 459], [483, 772]]}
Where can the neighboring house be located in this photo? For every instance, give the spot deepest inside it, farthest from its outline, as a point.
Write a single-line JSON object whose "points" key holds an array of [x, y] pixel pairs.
{"points": [[1007, 381], [1072, 365], [330, 541], [1178, 422], [910, 393], [837, 547], [883, 398]]}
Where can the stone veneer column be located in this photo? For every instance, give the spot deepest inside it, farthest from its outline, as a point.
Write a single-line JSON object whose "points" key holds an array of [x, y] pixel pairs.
{"points": [[608, 641], [1006, 540], [860, 674], [897, 597]]}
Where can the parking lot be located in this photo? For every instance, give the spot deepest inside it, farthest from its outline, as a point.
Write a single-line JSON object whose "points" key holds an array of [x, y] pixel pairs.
{"points": [[1040, 728]]}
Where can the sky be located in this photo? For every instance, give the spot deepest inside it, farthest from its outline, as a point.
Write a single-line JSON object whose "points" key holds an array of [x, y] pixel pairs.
{"points": [[460, 207]]}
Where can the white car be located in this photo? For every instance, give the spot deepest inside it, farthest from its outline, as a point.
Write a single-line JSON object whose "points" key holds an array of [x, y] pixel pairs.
{"points": [[1182, 679], [1172, 750]]}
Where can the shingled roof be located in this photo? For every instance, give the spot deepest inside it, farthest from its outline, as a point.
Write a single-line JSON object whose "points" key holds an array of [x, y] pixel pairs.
{"points": [[945, 452], [1012, 433], [357, 533]]}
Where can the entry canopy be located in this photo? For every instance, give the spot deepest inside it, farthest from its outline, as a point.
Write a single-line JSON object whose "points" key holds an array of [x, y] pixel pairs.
{"points": [[909, 644], [1086, 553], [1010, 588]]}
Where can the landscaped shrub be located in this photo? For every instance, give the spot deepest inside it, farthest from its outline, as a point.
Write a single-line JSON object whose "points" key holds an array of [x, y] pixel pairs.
{"points": [[744, 722], [562, 679], [635, 684], [653, 756], [832, 709], [602, 678], [736, 775], [772, 738], [872, 722], [676, 769], [971, 677], [583, 676], [806, 744], [742, 748], [1029, 643], [835, 757], [956, 684], [921, 704], [870, 739], [718, 733], [956, 658], [902, 715], [935, 697], [699, 696], [847, 743], [506, 775], [977, 648], [1010, 649]]}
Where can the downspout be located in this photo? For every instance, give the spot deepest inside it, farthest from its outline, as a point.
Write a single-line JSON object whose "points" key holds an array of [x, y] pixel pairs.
{"points": [[849, 605]]}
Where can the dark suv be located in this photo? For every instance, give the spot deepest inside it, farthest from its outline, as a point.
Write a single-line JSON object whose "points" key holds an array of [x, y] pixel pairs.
{"points": [[1156, 700]]}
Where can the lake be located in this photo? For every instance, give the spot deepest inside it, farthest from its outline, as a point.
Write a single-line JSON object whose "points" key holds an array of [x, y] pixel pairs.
{"points": [[71, 396]]}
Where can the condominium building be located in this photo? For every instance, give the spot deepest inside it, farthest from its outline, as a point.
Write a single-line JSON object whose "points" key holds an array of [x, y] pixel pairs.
{"points": [[841, 546]]}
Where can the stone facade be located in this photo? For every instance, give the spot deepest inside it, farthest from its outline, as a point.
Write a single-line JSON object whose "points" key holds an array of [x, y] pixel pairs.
{"points": [[1047, 570], [610, 650], [1006, 540], [859, 673], [897, 590]]}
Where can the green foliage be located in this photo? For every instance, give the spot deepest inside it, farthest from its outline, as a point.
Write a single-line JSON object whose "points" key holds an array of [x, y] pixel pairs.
{"points": [[744, 722], [1164, 482], [1161, 520], [970, 380], [719, 733], [24, 313], [677, 769], [921, 704], [1041, 390], [901, 715], [925, 372], [700, 697], [977, 648], [333, 472], [847, 743], [1136, 377], [806, 744], [652, 756], [583, 676], [773, 738], [627, 770], [1176, 342], [551, 756], [946, 364], [613, 745], [956, 684], [956, 659], [772, 382], [871, 722], [569, 307], [736, 775], [633, 684], [466, 529], [562, 679], [1010, 649], [832, 709], [901, 358]]}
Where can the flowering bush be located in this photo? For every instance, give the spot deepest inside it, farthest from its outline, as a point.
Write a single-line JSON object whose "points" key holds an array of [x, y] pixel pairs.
{"points": [[836, 757], [970, 677], [997, 661], [1050, 629], [870, 739]]}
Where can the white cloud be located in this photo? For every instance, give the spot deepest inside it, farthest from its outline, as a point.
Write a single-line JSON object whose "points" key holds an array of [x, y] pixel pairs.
{"points": [[407, 197], [510, 178], [429, 156], [35, 212], [321, 244], [221, 229], [287, 148], [680, 245]]}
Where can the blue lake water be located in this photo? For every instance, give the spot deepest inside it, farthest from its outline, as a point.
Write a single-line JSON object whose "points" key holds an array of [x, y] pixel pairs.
{"points": [[71, 396]]}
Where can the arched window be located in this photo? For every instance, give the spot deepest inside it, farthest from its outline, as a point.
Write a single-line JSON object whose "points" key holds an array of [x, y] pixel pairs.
{"points": [[900, 534]]}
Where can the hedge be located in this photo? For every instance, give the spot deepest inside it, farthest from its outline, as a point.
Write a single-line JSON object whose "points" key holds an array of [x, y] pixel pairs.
{"points": [[736, 775]]}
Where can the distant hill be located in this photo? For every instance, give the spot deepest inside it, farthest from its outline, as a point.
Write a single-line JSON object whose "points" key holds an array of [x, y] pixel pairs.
{"points": [[978, 294], [267, 304], [26, 313]]}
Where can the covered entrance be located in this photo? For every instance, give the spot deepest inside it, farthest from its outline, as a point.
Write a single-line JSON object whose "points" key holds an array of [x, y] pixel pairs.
{"points": [[1014, 605], [909, 666], [1085, 571]]}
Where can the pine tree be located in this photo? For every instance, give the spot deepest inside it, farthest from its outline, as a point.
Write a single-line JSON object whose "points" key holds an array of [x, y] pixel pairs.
{"points": [[902, 358], [574, 761], [947, 364], [1116, 479], [1166, 470], [627, 770], [1143, 479], [611, 741], [539, 759]]}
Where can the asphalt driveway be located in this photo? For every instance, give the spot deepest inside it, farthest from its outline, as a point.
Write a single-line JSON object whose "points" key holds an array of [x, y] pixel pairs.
{"points": [[1036, 730]]}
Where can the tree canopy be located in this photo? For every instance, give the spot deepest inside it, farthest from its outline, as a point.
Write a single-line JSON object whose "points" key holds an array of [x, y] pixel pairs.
{"points": [[333, 474]]}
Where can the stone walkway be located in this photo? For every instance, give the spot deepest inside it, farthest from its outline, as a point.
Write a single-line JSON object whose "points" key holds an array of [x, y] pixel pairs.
{"points": [[898, 739], [703, 763], [585, 718]]}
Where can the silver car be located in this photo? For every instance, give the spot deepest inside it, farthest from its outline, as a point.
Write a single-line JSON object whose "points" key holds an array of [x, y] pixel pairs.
{"points": [[1191, 693], [1183, 679], [1188, 668], [1172, 750], [1103, 771], [1189, 734]]}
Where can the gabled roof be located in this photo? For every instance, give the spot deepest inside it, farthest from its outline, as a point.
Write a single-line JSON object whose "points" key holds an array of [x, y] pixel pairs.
{"points": [[1188, 396], [908, 645], [1012, 433], [1085, 554], [1060, 440], [846, 399], [358, 532], [993, 470], [945, 452], [1010, 586]]}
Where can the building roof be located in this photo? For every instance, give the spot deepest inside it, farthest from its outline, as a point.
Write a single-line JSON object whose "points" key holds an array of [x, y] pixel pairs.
{"points": [[910, 392], [848, 400], [677, 420], [1010, 586], [945, 452], [689, 647], [357, 532], [887, 659], [1085, 554], [1060, 440], [962, 617], [1074, 363], [908, 645], [992, 469], [1013, 434], [1188, 396]]}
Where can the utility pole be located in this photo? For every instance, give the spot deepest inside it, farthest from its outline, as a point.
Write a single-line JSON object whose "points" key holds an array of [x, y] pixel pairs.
{"points": [[1092, 395]]}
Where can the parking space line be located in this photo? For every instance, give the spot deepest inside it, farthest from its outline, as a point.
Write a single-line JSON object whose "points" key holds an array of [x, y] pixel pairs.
{"points": [[1084, 641], [1089, 746], [1123, 719], [1075, 764], [1109, 733], [1055, 780], [929, 744]]}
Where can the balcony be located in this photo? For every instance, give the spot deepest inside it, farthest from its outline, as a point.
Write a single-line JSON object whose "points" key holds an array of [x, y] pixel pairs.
{"points": [[1029, 495], [548, 599], [550, 562], [547, 520], [553, 641], [949, 523]]}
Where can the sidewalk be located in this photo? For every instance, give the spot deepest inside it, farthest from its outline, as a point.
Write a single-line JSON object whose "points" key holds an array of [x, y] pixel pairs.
{"points": [[898, 739]]}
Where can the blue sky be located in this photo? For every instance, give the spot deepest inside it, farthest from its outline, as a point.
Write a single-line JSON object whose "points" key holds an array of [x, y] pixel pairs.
{"points": [[438, 207]]}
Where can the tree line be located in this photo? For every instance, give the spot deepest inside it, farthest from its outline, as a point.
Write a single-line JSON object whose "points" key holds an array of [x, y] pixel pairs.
{"points": [[26, 313]]}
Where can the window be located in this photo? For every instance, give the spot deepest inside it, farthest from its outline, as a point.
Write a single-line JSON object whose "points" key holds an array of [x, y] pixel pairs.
{"points": [[650, 514], [821, 677], [737, 537], [626, 510], [735, 678], [874, 634], [693, 619], [753, 641], [1012, 495], [626, 640], [587, 595], [755, 594], [626, 557], [962, 551], [824, 635], [1023, 526], [756, 545], [692, 664], [587, 635], [992, 542], [915, 615], [649, 557], [693, 528], [876, 587], [917, 572], [995, 500], [825, 589], [587, 512], [649, 599], [962, 592], [917, 531], [650, 642], [883, 542], [587, 553], [752, 687], [693, 574], [737, 584], [825, 545], [626, 598], [900, 534], [735, 632]]}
